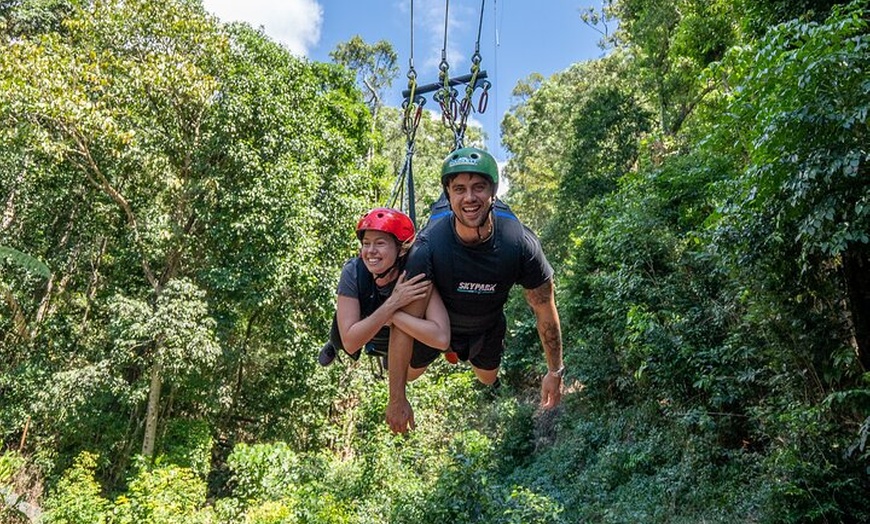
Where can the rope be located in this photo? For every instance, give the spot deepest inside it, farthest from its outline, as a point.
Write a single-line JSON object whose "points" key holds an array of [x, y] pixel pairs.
{"points": [[446, 95], [479, 29], [444, 66], [413, 110], [455, 114]]}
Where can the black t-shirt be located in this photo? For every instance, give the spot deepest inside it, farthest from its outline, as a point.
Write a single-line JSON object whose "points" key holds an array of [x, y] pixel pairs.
{"points": [[475, 281], [357, 282]]}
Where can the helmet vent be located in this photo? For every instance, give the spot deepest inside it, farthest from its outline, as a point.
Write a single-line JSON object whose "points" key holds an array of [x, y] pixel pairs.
{"points": [[469, 160]]}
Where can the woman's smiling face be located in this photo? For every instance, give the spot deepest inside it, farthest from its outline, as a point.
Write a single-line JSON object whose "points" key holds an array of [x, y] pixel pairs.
{"points": [[378, 251]]}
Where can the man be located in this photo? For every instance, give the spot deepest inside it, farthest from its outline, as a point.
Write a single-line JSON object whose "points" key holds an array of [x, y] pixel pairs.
{"points": [[474, 256]]}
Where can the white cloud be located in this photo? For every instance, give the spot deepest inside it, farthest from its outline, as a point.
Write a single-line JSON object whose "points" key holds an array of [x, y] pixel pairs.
{"points": [[294, 23]]}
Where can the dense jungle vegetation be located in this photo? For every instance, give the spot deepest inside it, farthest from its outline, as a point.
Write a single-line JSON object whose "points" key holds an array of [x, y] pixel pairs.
{"points": [[178, 196]]}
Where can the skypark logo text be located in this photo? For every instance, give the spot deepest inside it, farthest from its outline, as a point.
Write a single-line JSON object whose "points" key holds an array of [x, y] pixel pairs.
{"points": [[476, 288]]}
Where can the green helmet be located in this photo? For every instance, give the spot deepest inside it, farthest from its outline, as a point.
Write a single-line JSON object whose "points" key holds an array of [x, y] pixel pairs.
{"points": [[469, 160]]}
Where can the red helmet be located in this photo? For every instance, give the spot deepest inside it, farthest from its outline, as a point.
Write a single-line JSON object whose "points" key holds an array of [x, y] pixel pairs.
{"points": [[388, 220]]}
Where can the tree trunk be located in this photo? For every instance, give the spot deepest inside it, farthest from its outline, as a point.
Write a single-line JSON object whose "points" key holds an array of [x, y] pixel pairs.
{"points": [[18, 321], [856, 270], [152, 415], [9, 209]]}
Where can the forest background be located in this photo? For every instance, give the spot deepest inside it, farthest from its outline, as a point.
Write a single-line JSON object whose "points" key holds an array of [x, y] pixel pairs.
{"points": [[179, 195]]}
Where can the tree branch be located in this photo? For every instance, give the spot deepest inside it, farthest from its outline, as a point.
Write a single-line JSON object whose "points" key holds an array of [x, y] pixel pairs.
{"points": [[91, 170]]}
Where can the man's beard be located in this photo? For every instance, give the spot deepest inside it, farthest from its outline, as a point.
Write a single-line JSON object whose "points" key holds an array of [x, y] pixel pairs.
{"points": [[478, 223]]}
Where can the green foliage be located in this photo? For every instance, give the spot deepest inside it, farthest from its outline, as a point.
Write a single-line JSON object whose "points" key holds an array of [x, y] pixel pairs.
{"points": [[25, 261], [809, 483], [265, 471], [180, 322], [188, 444], [805, 135], [274, 484], [468, 462], [526, 506], [760, 16], [606, 148], [162, 495], [692, 283], [28, 17], [76, 498], [192, 186], [10, 463], [174, 173], [374, 65], [672, 42], [540, 133], [514, 433]]}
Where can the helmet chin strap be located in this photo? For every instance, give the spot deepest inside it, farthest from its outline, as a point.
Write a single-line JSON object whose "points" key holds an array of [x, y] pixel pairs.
{"points": [[489, 220], [399, 258]]}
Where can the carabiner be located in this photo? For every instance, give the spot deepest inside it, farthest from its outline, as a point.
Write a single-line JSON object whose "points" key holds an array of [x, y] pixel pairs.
{"points": [[484, 96]]}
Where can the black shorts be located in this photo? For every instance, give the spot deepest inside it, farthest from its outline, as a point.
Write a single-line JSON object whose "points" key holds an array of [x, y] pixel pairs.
{"points": [[482, 350]]}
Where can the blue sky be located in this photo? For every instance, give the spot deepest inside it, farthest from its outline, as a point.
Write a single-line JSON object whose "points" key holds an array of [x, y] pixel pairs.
{"points": [[518, 37]]}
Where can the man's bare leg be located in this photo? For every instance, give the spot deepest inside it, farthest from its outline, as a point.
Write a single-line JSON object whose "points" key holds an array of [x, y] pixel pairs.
{"points": [[486, 376]]}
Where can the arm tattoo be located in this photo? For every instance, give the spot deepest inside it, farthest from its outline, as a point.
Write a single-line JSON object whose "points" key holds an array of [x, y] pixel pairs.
{"points": [[551, 337], [541, 294], [542, 301]]}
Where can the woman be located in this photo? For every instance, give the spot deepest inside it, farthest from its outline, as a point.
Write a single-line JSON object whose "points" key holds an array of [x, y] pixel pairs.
{"points": [[372, 291]]}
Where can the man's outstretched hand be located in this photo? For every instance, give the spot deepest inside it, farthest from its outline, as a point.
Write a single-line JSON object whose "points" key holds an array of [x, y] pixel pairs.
{"points": [[400, 416], [551, 391]]}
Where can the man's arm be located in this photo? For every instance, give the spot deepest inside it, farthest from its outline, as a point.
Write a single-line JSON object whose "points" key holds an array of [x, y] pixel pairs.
{"points": [[433, 329], [400, 415], [542, 300]]}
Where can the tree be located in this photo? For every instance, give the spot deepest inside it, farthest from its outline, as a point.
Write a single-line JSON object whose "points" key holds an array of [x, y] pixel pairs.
{"points": [[19, 18], [608, 128], [180, 168], [373, 64], [757, 17], [541, 132], [804, 174], [671, 43], [31, 265]]}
